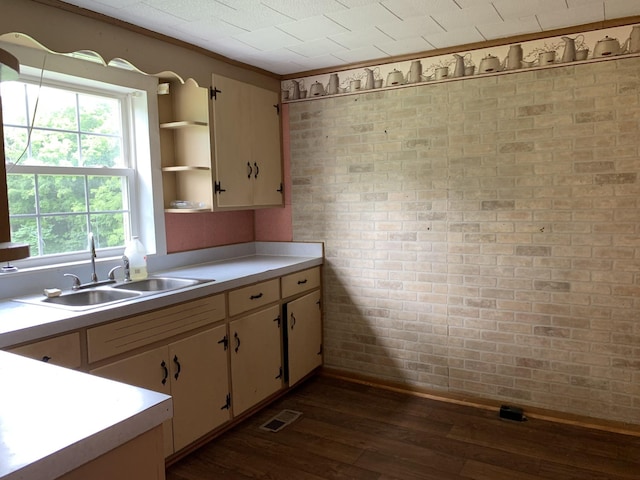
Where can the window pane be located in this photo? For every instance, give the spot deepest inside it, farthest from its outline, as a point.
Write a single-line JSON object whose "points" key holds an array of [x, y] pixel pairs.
{"points": [[106, 194], [62, 193], [21, 192], [15, 143], [56, 108], [99, 115], [54, 148], [108, 229], [64, 233], [101, 151], [13, 103], [25, 230]]}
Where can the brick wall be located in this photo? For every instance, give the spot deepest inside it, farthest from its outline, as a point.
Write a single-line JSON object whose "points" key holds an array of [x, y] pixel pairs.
{"points": [[482, 235]]}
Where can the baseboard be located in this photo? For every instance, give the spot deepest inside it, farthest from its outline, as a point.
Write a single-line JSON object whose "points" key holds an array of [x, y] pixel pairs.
{"points": [[487, 404]]}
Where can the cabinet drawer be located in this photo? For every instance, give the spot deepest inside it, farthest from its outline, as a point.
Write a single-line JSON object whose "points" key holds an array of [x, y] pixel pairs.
{"points": [[124, 335], [253, 296], [300, 282], [63, 350]]}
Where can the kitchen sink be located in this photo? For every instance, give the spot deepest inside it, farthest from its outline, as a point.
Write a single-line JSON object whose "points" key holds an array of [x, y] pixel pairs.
{"points": [[157, 284], [82, 300], [94, 297]]}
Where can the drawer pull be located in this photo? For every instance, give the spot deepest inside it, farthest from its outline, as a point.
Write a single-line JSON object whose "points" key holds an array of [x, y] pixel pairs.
{"points": [[302, 282], [166, 372], [255, 297], [46, 358], [175, 360]]}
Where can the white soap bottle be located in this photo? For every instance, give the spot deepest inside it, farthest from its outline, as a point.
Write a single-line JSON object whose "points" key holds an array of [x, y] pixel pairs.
{"points": [[137, 256]]}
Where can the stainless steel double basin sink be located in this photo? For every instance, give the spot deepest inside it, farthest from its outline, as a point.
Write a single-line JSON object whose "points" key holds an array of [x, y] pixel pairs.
{"points": [[99, 296]]}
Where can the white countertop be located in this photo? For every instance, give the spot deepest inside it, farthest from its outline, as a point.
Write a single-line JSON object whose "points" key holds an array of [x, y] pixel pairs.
{"points": [[22, 322], [53, 420]]}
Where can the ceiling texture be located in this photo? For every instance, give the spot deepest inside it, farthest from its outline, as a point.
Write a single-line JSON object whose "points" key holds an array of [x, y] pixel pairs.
{"points": [[294, 36]]}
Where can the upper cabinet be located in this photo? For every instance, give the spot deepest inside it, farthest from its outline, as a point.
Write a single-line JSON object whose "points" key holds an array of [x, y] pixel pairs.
{"points": [[185, 143], [247, 145], [221, 146]]}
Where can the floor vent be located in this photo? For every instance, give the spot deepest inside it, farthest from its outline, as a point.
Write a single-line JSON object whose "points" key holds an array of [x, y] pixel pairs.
{"points": [[281, 420]]}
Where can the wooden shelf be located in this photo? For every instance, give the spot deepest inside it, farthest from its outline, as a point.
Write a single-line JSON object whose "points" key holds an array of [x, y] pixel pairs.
{"points": [[183, 124], [185, 168], [186, 210]]}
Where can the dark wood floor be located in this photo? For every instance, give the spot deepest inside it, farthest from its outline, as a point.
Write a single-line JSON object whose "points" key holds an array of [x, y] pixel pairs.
{"points": [[353, 431]]}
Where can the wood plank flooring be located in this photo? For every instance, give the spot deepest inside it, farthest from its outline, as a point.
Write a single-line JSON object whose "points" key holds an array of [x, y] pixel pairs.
{"points": [[353, 431]]}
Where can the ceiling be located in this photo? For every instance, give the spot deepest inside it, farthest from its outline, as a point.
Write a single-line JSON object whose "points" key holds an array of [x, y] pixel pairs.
{"points": [[293, 36]]}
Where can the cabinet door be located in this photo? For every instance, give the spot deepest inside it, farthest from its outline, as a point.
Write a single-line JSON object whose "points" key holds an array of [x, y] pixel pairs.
{"points": [[199, 385], [247, 145], [267, 155], [232, 144], [304, 336], [256, 361], [148, 370]]}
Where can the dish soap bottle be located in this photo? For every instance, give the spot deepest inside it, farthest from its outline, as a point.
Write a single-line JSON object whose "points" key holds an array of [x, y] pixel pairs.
{"points": [[137, 256]]}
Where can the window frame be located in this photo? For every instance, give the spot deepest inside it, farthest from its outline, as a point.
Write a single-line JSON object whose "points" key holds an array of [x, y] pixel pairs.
{"points": [[86, 75]]}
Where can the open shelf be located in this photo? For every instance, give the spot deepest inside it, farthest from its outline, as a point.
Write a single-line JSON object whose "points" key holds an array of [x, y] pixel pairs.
{"points": [[183, 124]]}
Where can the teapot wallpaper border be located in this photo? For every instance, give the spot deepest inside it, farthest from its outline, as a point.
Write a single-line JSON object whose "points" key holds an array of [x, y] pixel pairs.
{"points": [[549, 52]]}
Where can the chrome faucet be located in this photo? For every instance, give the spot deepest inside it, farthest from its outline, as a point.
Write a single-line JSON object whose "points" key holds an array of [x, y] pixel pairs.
{"points": [[92, 248], [77, 285]]}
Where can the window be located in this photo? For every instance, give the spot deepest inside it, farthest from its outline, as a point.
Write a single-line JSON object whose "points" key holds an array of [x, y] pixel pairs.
{"points": [[69, 168], [92, 161]]}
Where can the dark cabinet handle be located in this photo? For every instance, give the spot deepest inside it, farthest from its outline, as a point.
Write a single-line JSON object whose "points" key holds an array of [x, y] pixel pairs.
{"points": [[250, 170], [235, 335], [279, 373], [227, 404], [46, 358], [302, 282], [178, 366], [224, 341], [293, 320], [166, 372], [255, 297], [257, 170]]}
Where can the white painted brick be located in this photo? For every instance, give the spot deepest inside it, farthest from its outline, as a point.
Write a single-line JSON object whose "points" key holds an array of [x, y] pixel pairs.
{"points": [[487, 243]]}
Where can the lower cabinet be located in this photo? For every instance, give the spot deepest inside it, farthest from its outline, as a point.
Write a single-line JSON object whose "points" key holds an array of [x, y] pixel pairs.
{"points": [[192, 370], [256, 361], [302, 336], [252, 342]]}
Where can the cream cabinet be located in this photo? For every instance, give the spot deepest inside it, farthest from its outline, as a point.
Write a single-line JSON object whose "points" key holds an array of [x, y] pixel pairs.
{"points": [[247, 145], [302, 323], [185, 144], [256, 361], [194, 372], [302, 336], [219, 356], [63, 350], [193, 369]]}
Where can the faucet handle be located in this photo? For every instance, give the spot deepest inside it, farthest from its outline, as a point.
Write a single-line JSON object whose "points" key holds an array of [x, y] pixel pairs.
{"points": [[76, 280], [112, 272]]}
